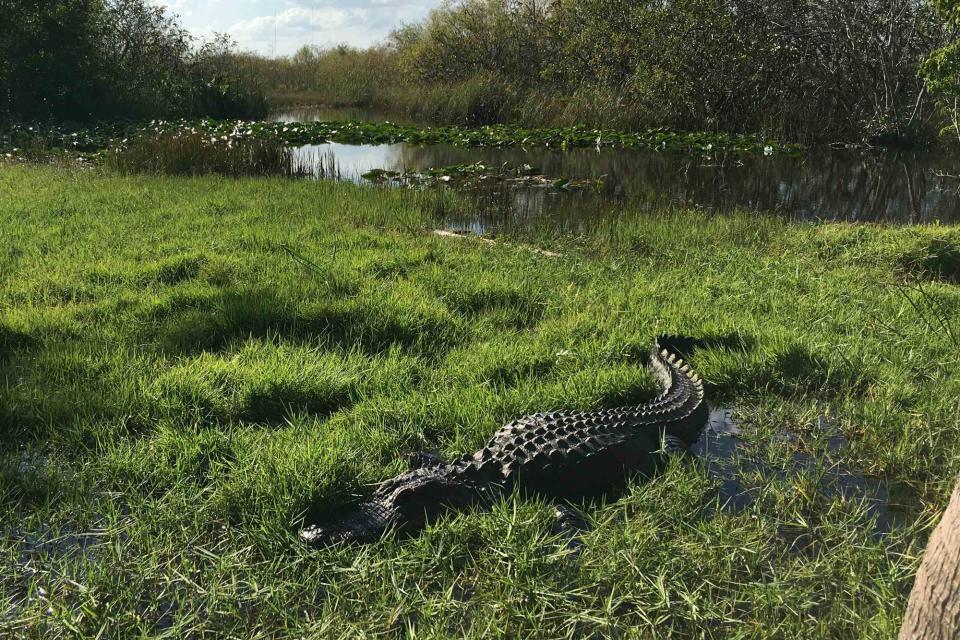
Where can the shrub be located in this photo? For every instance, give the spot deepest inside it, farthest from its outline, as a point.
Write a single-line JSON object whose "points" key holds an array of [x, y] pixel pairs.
{"points": [[91, 59]]}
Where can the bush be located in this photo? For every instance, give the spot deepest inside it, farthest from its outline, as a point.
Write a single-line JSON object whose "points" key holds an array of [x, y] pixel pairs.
{"points": [[106, 59], [794, 69]]}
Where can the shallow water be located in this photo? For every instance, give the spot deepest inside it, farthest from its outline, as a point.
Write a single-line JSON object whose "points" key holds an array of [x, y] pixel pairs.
{"points": [[730, 457], [824, 184]]}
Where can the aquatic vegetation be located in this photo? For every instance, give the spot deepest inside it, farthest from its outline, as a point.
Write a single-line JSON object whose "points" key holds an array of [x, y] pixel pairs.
{"points": [[356, 132], [487, 136], [195, 154], [478, 174]]}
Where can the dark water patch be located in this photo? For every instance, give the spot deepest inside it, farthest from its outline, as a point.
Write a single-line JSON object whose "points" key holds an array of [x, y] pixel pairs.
{"points": [[192, 153], [39, 553], [735, 464]]}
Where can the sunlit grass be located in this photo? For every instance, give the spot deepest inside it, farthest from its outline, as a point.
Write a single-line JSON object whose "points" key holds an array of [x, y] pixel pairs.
{"points": [[188, 365]]}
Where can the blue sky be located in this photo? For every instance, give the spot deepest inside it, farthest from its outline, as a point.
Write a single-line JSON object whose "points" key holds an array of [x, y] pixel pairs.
{"points": [[283, 26]]}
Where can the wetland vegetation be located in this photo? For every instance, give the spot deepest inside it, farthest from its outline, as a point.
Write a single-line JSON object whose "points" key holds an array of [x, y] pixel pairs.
{"points": [[107, 60], [189, 364], [823, 70]]}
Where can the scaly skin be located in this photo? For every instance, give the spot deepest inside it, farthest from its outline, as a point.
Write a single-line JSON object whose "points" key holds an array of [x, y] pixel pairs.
{"points": [[562, 455]]}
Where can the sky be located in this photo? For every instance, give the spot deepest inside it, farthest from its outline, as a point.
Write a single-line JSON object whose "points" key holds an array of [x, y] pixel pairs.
{"points": [[281, 27]]}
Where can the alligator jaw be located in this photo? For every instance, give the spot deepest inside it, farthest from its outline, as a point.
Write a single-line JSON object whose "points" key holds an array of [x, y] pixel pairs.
{"points": [[366, 524]]}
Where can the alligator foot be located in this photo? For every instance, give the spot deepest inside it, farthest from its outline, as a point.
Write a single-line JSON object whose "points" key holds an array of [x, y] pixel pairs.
{"points": [[671, 445], [570, 522]]}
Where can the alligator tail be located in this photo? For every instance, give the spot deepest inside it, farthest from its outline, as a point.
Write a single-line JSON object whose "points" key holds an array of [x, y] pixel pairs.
{"points": [[682, 399]]}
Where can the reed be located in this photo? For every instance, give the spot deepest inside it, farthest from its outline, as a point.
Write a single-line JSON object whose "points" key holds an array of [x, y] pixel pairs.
{"points": [[197, 154]]}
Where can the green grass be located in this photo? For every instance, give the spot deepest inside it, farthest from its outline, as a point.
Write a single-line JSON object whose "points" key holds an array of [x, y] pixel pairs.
{"points": [[188, 365]]}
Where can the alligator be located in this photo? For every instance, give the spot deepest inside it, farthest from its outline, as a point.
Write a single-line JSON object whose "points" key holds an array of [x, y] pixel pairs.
{"points": [[564, 456]]}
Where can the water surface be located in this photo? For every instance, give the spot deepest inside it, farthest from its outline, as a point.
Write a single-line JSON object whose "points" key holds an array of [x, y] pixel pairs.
{"points": [[899, 187]]}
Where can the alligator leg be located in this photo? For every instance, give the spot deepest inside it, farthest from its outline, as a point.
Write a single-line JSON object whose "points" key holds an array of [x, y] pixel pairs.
{"points": [[673, 446], [570, 522]]}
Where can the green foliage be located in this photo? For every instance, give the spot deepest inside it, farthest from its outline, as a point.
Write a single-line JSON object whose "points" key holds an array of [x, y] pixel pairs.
{"points": [[792, 69], [942, 69], [342, 76], [97, 60]]}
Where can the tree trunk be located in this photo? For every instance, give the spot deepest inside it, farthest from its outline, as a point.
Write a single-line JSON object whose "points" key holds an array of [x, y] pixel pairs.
{"points": [[934, 609]]}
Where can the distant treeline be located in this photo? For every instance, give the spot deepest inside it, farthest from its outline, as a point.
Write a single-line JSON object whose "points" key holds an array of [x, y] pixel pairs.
{"points": [[797, 69], [85, 60]]}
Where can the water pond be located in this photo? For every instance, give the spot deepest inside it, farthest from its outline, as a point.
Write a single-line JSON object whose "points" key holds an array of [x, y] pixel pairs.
{"points": [[899, 187]]}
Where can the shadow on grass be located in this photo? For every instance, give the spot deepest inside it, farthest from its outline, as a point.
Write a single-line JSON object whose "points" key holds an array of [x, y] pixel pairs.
{"points": [[372, 327], [224, 392], [175, 270], [687, 346], [938, 260], [789, 372], [516, 309], [509, 374], [12, 341]]}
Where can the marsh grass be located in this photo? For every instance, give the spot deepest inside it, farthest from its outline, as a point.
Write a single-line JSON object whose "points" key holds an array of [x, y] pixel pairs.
{"points": [[187, 366], [198, 154]]}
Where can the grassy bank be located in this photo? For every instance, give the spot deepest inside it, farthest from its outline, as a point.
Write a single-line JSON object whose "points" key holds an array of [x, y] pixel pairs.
{"points": [[187, 365]]}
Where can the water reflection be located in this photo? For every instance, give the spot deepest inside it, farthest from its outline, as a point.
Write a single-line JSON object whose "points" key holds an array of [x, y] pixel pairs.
{"points": [[730, 459], [825, 184]]}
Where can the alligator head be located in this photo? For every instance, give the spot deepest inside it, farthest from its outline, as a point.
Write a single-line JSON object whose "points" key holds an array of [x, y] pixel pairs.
{"points": [[405, 504]]}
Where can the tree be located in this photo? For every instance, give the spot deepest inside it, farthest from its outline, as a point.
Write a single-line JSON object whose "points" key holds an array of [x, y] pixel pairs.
{"points": [[934, 609], [45, 55], [104, 59], [942, 68]]}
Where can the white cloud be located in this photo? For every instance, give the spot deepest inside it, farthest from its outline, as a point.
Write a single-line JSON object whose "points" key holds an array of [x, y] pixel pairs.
{"points": [[283, 26]]}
